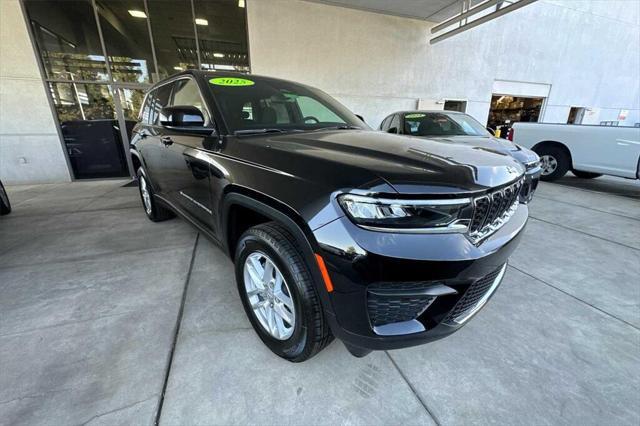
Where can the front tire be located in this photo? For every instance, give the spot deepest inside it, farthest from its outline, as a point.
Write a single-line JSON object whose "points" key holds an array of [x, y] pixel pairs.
{"points": [[585, 175], [555, 162], [153, 210], [278, 293], [5, 205]]}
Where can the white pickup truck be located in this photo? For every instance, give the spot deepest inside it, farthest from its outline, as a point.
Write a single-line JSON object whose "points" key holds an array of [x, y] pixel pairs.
{"points": [[588, 151]]}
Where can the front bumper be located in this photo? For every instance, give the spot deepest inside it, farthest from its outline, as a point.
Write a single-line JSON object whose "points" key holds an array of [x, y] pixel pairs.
{"points": [[398, 290]]}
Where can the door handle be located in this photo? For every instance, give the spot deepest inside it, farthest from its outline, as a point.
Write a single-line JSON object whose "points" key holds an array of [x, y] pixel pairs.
{"points": [[166, 140]]}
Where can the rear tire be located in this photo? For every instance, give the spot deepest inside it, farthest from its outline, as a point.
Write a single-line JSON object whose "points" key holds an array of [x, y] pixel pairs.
{"points": [[585, 175], [154, 210], [555, 162], [5, 205], [303, 331]]}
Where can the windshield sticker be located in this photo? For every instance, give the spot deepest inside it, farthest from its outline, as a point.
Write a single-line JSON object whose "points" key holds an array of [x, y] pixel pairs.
{"points": [[415, 115], [231, 81]]}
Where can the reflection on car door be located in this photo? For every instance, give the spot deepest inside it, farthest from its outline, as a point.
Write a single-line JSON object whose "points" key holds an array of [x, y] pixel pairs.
{"points": [[186, 173], [151, 147]]}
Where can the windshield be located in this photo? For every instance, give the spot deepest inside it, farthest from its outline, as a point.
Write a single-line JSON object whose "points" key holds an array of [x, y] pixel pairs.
{"points": [[251, 103], [442, 124]]}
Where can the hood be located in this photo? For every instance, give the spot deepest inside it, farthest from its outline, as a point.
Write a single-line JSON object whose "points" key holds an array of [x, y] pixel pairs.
{"points": [[358, 158], [504, 146]]}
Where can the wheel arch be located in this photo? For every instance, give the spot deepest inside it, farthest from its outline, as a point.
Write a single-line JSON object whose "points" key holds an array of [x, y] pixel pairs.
{"points": [[136, 160], [273, 210], [264, 206], [556, 144]]}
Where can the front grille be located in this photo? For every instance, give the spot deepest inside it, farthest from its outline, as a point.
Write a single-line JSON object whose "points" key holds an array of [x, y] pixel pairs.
{"points": [[472, 296], [493, 210], [387, 309]]}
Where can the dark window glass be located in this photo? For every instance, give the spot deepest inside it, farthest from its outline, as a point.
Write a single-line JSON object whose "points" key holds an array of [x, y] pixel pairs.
{"points": [[90, 130], [395, 123], [146, 113], [278, 104], [160, 100], [385, 123], [173, 35], [442, 124], [126, 39], [222, 35], [66, 35]]}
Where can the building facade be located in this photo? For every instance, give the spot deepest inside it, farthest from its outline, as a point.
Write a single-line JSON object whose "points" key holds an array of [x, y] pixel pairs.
{"points": [[72, 76]]}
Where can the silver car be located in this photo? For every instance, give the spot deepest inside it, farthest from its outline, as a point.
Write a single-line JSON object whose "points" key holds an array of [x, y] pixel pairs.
{"points": [[459, 128]]}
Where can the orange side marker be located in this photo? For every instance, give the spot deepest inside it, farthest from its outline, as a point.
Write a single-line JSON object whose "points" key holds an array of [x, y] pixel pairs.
{"points": [[324, 272]]}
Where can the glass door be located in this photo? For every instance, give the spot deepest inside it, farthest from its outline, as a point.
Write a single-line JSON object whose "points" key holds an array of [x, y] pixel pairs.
{"points": [[89, 124], [129, 100], [96, 122]]}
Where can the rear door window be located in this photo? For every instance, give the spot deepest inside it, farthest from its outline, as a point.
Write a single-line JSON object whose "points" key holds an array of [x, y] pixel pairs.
{"points": [[146, 113], [385, 124], [395, 123]]}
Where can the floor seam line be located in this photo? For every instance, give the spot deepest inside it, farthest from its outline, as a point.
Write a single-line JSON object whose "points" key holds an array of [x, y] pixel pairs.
{"points": [[88, 258], [574, 297], [584, 233], [628, 197], [585, 207], [176, 332], [66, 214], [413, 390]]}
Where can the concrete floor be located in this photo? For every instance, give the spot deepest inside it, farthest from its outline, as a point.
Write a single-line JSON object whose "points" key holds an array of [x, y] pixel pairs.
{"points": [[90, 294]]}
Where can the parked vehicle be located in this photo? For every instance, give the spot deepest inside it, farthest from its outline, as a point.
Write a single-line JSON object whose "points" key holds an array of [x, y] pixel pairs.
{"points": [[381, 240], [588, 151], [460, 128], [5, 205]]}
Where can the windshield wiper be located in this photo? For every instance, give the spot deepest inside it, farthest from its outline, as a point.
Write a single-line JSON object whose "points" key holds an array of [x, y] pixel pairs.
{"points": [[263, 131]]}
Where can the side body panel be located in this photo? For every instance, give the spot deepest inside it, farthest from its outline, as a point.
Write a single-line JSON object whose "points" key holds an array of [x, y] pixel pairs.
{"points": [[599, 149]]}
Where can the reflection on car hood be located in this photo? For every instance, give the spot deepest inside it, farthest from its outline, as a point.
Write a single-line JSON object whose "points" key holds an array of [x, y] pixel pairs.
{"points": [[352, 158], [504, 146]]}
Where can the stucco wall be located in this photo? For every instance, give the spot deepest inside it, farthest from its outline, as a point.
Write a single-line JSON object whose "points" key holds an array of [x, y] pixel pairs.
{"points": [[30, 150], [588, 52]]}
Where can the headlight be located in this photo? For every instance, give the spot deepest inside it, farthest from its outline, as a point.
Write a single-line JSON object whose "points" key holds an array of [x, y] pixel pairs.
{"points": [[532, 164], [428, 216]]}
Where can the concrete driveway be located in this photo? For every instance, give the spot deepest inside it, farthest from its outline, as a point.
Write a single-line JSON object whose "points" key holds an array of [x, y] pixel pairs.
{"points": [[108, 318]]}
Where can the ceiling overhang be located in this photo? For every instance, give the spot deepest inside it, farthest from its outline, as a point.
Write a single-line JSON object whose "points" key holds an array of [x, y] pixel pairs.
{"points": [[450, 16]]}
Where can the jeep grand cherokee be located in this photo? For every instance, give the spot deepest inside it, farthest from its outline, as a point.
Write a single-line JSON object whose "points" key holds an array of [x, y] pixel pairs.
{"points": [[383, 241]]}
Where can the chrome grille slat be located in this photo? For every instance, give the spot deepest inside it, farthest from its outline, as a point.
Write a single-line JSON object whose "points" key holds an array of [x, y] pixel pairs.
{"points": [[493, 210]]}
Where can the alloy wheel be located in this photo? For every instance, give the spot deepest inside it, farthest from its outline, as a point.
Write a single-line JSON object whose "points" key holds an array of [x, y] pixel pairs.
{"points": [[269, 296], [146, 196], [549, 164]]}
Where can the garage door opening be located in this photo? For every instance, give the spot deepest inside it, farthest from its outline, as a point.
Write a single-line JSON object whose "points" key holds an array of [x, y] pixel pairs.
{"points": [[506, 110], [459, 106], [576, 114]]}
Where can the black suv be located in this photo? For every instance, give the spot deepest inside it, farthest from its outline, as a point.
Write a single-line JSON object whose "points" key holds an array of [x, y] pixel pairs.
{"points": [[381, 240]]}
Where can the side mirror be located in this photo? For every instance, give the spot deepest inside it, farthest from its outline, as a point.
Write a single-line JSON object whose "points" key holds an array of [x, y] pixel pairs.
{"points": [[490, 130], [360, 117], [181, 116], [393, 130]]}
